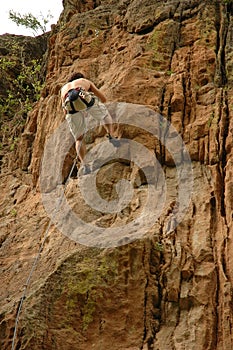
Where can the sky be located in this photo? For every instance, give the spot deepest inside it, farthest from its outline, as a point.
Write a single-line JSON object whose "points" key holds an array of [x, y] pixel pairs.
{"points": [[36, 8]]}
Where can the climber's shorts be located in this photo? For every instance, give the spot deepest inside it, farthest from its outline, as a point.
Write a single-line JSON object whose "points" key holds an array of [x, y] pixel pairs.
{"points": [[78, 121]]}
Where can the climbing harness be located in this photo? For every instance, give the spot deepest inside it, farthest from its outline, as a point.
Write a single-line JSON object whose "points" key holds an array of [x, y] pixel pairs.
{"points": [[78, 99]]}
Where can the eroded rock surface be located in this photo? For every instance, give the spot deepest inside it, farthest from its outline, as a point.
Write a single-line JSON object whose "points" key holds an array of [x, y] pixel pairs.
{"points": [[172, 287]]}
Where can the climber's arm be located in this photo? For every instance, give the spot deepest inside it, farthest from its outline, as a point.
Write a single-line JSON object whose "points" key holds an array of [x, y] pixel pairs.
{"points": [[97, 92]]}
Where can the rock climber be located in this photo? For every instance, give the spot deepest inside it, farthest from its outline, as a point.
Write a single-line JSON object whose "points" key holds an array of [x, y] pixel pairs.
{"points": [[76, 119]]}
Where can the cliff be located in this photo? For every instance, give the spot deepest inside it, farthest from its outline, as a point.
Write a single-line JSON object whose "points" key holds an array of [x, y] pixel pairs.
{"points": [[137, 255]]}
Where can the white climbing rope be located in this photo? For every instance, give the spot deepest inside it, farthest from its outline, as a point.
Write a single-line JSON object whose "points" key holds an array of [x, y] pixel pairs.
{"points": [[35, 262]]}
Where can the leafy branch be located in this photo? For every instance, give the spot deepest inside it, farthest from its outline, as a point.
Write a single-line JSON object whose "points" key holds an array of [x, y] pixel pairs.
{"points": [[27, 87], [20, 95], [29, 21]]}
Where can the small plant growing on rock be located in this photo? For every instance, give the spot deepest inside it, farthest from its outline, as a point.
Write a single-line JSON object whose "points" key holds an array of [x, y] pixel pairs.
{"points": [[228, 1], [159, 247]]}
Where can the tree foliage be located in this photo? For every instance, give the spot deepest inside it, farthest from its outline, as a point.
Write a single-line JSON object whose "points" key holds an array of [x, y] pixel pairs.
{"points": [[26, 87], [23, 90], [29, 21]]}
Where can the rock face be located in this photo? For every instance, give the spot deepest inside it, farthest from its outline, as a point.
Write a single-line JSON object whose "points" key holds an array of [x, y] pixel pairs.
{"points": [[161, 63]]}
